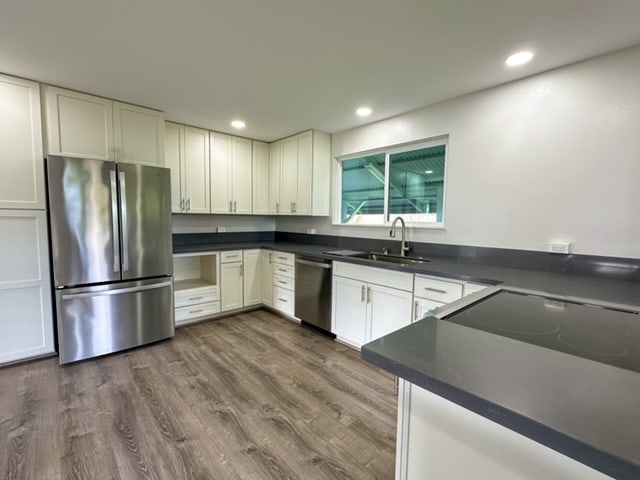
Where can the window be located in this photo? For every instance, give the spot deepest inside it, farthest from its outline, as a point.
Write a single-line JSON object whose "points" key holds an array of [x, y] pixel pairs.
{"points": [[407, 182]]}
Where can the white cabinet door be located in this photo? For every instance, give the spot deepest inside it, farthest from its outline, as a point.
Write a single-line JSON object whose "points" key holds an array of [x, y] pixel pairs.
{"points": [[26, 319], [349, 310], [241, 175], [221, 201], [174, 160], [21, 168], [196, 170], [138, 134], [390, 310], [260, 178], [289, 175], [231, 286], [78, 125], [304, 186], [423, 307], [252, 277], [275, 168], [267, 278]]}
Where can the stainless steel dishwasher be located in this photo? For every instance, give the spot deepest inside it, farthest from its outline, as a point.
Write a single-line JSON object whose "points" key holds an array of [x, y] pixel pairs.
{"points": [[313, 292]]}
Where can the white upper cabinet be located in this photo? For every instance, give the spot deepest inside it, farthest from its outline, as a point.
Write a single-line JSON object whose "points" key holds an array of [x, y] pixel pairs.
{"points": [[78, 125], [260, 178], [174, 160], [21, 165], [300, 174], [81, 125], [138, 134], [275, 157], [187, 155], [231, 174]]}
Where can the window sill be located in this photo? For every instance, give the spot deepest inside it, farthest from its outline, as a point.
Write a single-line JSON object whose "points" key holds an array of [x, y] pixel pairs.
{"points": [[419, 226]]}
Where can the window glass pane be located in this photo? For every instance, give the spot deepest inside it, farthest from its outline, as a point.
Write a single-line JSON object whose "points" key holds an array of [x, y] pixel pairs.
{"points": [[363, 189], [416, 184]]}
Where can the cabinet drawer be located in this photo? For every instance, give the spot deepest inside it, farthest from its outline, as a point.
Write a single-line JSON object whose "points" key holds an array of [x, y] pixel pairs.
{"points": [[284, 270], [379, 276], [283, 282], [438, 290], [196, 296], [284, 258], [184, 314], [283, 300], [231, 256]]}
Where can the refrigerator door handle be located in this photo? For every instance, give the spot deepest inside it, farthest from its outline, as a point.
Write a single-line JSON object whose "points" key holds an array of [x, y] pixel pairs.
{"points": [[125, 230], [114, 221], [118, 291]]}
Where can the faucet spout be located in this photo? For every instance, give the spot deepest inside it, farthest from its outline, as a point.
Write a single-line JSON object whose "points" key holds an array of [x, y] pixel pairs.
{"points": [[404, 246]]}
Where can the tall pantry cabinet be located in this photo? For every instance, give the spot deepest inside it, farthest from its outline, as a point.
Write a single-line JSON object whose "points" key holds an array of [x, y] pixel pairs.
{"points": [[25, 291]]}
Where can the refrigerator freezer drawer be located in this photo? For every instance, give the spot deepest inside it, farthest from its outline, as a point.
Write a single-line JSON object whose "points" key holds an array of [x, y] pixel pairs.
{"points": [[94, 321]]}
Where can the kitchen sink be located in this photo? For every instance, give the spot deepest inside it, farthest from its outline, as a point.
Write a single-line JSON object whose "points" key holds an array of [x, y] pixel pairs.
{"points": [[397, 259]]}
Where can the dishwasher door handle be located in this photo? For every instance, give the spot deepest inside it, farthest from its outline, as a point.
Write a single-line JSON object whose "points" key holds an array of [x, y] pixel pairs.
{"points": [[314, 264]]}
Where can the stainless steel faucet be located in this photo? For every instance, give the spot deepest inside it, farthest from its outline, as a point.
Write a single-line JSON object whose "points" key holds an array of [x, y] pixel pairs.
{"points": [[404, 248]]}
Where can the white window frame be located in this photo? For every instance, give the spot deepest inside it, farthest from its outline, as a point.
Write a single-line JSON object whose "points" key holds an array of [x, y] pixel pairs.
{"points": [[388, 151]]}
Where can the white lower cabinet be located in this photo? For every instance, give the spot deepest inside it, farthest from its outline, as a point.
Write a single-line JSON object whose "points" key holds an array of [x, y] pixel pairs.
{"points": [[252, 277], [231, 280], [369, 303], [26, 318], [283, 282], [267, 278]]}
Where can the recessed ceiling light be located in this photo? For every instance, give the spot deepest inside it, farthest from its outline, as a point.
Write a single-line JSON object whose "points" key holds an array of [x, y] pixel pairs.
{"points": [[428, 172], [239, 124], [519, 58], [363, 111]]}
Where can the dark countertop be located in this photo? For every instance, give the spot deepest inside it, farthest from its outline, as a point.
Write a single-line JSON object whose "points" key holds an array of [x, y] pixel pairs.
{"points": [[600, 290], [582, 408]]}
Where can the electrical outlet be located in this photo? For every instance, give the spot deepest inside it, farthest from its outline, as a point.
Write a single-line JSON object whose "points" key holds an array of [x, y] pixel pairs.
{"points": [[221, 229], [559, 247]]}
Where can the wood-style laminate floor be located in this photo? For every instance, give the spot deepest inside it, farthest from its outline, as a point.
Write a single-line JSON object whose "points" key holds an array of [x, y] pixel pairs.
{"points": [[252, 396]]}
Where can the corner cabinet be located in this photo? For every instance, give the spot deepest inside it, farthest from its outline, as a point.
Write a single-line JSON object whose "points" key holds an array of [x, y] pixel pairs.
{"points": [[81, 125], [299, 174], [187, 155], [369, 303]]}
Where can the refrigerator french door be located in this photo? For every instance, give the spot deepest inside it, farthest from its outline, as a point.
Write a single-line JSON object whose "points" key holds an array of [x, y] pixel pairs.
{"points": [[111, 254]]}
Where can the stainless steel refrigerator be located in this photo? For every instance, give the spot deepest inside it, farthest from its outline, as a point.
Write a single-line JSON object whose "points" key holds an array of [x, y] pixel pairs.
{"points": [[110, 228]]}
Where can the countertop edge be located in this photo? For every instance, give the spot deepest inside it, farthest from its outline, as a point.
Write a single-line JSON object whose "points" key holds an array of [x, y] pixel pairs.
{"points": [[591, 456]]}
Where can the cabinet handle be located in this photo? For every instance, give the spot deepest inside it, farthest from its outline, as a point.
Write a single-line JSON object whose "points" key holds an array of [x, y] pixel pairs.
{"points": [[230, 206], [181, 204], [369, 295], [194, 298], [282, 282], [235, 206], [362, 294], [277, 207], [282, 300], [241, 270], [188, 205], [295, 207], [282, 270], [415, 312], [428, 289], [196, 311], [270, 258]]}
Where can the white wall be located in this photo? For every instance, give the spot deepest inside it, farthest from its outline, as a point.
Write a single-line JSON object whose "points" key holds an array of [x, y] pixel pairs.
{"points": [[232, 223], [552, 157]]}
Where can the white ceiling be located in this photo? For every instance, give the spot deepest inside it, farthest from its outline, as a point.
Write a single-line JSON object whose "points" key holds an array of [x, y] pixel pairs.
{"points": [[288, 65]]}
